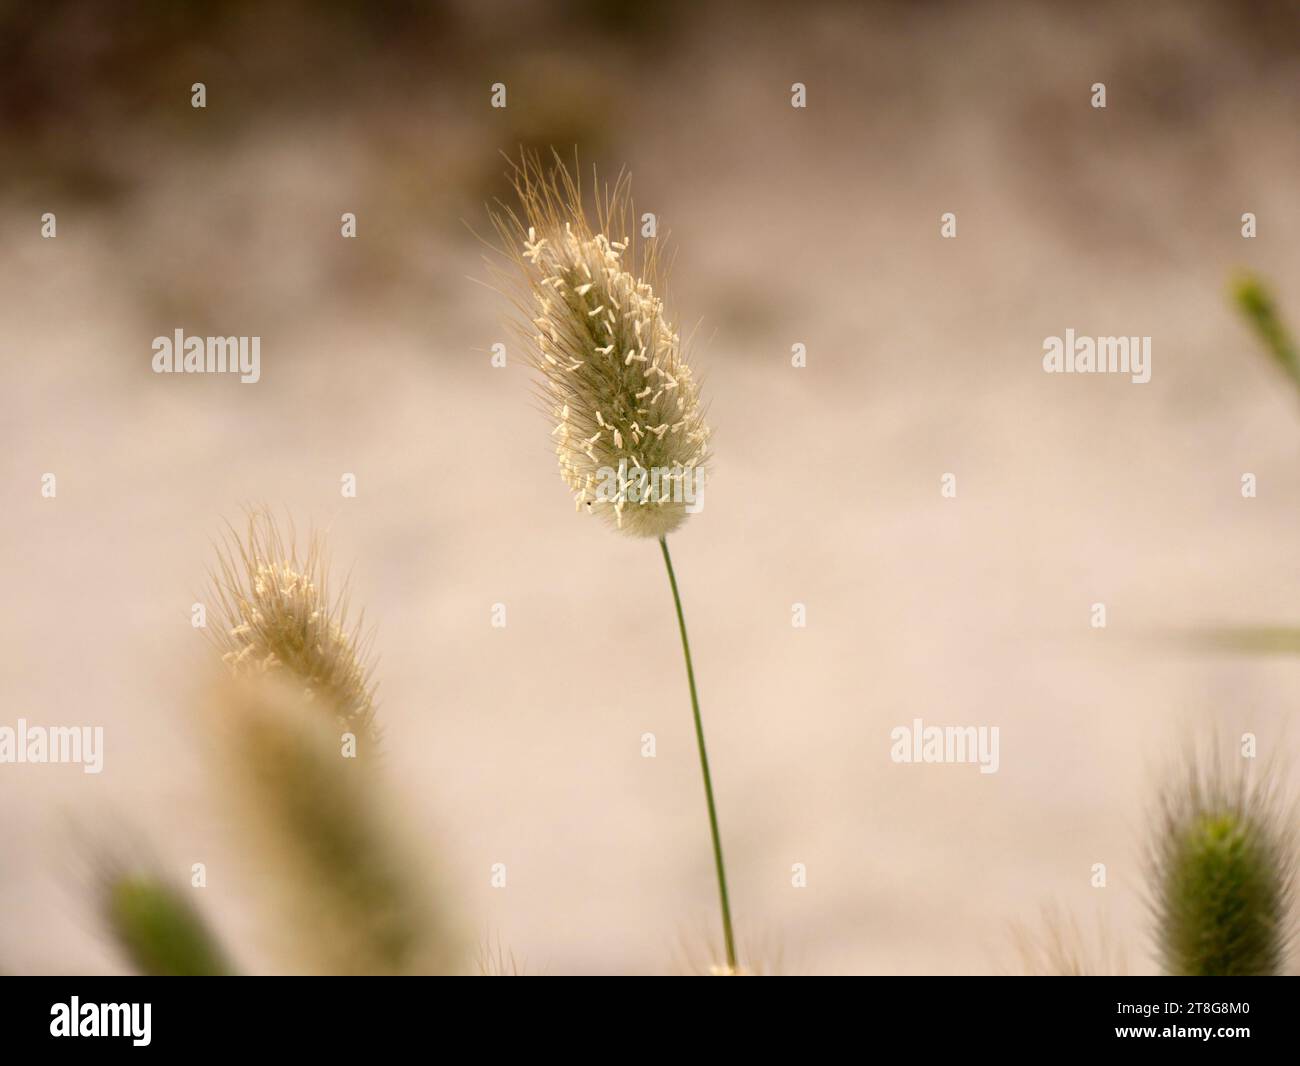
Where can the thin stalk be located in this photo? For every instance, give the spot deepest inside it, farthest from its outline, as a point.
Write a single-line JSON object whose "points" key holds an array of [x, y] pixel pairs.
{"points": [[727, 934]]}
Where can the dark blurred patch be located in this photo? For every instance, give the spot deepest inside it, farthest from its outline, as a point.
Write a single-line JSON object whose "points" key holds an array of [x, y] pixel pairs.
{"points": [[744, 312], [88, 89], [85, 88]]}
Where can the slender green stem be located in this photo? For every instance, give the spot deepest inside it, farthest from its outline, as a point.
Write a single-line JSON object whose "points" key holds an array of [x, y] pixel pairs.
{"points": [[727, 934]]}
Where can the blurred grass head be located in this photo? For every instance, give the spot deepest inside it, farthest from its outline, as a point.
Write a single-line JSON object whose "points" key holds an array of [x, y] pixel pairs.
{"points": [[158, 928], [350, 889], [277, 615], [1222, 872]]}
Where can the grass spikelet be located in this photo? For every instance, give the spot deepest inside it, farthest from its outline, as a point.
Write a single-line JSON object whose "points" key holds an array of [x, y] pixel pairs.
{"points": [[159, 929], [351, 894], [1223, 864], [1257, 306], [277, 615], [629, 431]]}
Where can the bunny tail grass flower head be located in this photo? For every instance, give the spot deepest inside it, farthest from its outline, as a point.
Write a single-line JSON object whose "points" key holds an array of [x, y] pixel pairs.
{"points": [[278, 616], [290, 719], [1223, 865], [629, 425]]}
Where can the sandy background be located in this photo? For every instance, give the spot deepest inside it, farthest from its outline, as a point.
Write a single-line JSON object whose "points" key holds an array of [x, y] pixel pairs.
{"points": [[818, 226]]}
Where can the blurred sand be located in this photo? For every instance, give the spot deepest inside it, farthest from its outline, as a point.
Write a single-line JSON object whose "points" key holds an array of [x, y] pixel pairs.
{"points": [[522, 745]]}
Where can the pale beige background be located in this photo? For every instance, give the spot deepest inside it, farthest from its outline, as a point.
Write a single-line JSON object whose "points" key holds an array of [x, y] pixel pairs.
{"points": [[819, 226]]}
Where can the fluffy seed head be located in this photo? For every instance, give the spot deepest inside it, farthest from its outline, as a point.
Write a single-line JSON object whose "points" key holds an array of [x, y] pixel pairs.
{"points": [[1223, 864], [276, 615], [629, 428]]}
